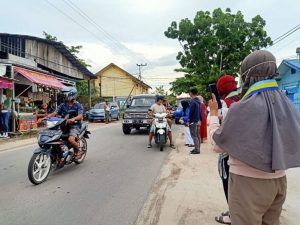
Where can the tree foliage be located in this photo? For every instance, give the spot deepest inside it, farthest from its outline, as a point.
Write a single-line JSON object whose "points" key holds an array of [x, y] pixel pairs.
{"points": [[214, 44], [160, 90]]}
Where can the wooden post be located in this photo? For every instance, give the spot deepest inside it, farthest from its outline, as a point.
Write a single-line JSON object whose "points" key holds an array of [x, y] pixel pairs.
{"points": [[90, 94], [13, 100]]}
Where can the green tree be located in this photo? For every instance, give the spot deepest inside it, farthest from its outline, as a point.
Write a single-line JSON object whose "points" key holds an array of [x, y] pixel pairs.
{"points": [[214, 44], [82, 86], [160, 90]]}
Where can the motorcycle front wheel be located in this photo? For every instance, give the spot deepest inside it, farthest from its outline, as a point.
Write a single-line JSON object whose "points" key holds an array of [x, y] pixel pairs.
{"points": [[83, 148], [39, 167]]}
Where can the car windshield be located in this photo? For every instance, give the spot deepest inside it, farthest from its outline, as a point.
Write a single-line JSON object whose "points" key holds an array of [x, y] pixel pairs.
{"points": [[99, 106], [142, 102]]}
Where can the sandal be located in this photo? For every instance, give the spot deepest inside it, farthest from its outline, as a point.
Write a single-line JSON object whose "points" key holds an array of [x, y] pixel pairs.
{"points": [[220, 219], [78, 155], [225, 213], [172, 146], [149, 146]]}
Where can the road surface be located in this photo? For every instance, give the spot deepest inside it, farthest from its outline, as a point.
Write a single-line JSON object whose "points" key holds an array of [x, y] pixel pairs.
{"points": [[109, 188]]}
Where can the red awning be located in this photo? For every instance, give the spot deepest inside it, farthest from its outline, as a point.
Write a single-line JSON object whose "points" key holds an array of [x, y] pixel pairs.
{"points": [[40, 78], [6, 83]]}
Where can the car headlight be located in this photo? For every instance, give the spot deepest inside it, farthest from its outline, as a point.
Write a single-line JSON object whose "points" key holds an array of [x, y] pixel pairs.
{"points": [[127, 116]]}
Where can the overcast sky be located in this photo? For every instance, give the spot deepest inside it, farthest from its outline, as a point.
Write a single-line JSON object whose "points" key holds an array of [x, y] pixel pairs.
{"points": [[134, 29]]}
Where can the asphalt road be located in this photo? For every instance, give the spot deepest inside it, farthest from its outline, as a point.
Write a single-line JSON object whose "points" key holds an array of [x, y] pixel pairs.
{"points": [[109, 188]]}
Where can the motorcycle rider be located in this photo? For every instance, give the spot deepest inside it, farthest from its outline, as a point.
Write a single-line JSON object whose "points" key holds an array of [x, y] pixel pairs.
{"points": [[63, 109], [158, 107]]}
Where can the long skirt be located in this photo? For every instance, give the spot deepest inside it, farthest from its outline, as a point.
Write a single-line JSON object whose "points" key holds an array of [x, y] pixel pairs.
{"points": [[187, 136]]}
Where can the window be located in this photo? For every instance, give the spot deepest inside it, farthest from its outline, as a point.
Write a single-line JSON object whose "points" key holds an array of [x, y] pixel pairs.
{"points": [[293, 71], [99, 106]]}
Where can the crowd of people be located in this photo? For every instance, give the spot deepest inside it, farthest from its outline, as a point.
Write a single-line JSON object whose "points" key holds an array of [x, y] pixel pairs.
{"points": [[258, 140], [256, 134]]}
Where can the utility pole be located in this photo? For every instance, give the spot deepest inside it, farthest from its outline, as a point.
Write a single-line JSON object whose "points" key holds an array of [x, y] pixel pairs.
{"points": [[221, 59], [140, 72]]}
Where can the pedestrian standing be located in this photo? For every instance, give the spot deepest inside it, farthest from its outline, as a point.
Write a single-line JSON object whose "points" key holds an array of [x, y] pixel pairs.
{"points": [[184, 116], [261, 135], [106, 110], [194, 120], [227, 87], [5, 113], [203, 126]]}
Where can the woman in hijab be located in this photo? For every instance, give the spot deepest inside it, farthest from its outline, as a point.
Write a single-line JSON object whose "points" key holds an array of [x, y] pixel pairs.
{"points": [[261, 135], [203, 126], [184, 114], [227, 87]]}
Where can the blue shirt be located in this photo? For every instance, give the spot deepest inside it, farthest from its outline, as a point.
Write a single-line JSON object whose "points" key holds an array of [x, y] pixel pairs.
{"points": [[63, 109]]}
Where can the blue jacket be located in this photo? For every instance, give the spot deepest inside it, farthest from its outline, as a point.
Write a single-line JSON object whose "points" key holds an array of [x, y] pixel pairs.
{"points": [[195, 113], [185, 117]]}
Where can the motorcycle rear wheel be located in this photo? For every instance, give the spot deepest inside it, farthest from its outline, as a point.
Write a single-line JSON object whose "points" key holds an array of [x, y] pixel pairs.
{"points": [[39, 167], [83, 148]]}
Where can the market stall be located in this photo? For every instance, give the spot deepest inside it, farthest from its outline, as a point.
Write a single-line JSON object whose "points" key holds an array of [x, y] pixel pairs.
{"points": [[33, 90]]}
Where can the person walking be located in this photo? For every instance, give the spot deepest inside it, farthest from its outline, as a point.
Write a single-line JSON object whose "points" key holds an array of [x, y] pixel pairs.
{"points": [[194, 120], [261, 135]]}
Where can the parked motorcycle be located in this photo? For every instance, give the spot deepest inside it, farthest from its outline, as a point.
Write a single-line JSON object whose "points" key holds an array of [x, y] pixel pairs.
{"points": [[53, 147], [160, 130]]}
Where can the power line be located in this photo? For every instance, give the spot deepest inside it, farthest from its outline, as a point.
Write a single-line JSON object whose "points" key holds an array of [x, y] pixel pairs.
{"points": [[92, 22], [285, 35], [98, 27], [74, 21], [89, 20]]}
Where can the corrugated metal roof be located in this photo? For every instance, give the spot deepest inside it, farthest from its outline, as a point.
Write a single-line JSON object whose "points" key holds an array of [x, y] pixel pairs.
{"points": [[60, 47]]}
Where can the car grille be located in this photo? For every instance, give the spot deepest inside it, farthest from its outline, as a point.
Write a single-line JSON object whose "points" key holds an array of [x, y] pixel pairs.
{"points": [[138, 115]]}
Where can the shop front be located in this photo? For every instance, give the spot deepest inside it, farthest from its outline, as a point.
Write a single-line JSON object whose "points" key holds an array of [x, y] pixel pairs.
{"points": [[35, 96]]}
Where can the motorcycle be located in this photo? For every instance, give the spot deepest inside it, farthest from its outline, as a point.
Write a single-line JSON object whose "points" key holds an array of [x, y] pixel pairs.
{"points": [[54, 150], [160, 130]]}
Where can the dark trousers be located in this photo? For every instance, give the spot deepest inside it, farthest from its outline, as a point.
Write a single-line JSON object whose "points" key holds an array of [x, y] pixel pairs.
{"points": [[5, 121], [225, 179], [194, 130]]}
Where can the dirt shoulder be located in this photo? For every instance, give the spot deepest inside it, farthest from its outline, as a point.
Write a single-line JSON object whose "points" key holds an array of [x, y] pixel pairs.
{"points": [[189, 191]]}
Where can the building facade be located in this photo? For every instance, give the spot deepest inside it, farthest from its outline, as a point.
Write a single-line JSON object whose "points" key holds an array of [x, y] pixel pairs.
{"points": [[114, 82], [289, 80], [36, 70]]}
